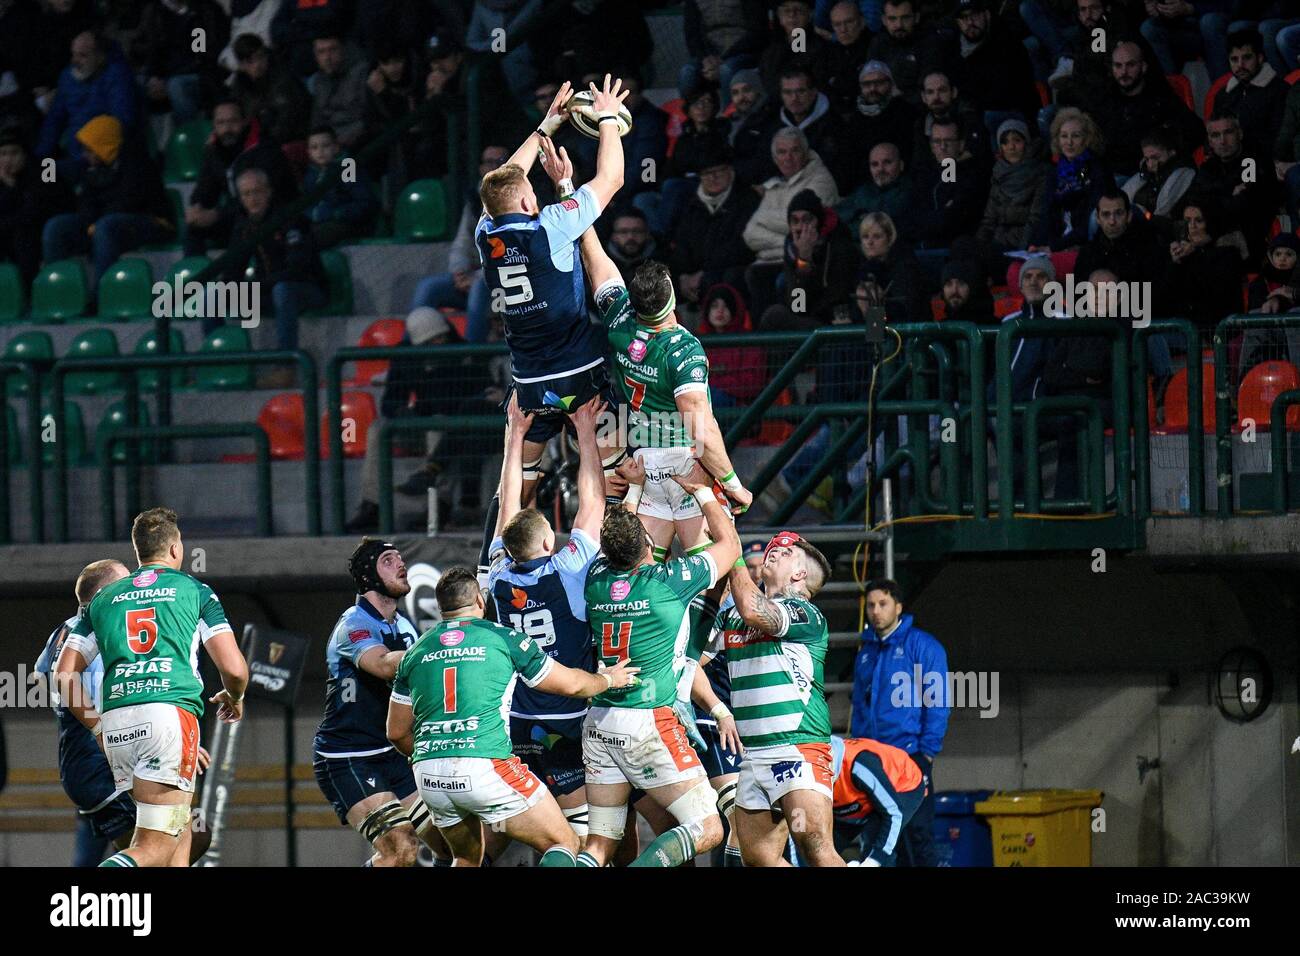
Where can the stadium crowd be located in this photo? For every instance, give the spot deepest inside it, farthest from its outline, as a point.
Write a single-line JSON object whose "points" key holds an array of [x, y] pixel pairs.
{"points": [[937, 158]]}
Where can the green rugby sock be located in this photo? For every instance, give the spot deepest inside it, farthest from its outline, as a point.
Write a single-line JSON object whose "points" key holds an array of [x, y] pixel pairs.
{"points": [[558, 856], [586, 859], [731, 856], [120, 859], [672, 849]]}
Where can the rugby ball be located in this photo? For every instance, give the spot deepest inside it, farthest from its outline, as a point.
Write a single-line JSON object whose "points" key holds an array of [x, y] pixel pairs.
{"points": [[585, 120]]}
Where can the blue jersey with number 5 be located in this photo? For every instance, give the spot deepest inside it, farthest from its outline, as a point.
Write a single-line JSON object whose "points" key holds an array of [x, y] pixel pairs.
{"points": [[533, 271], [543, 598]]}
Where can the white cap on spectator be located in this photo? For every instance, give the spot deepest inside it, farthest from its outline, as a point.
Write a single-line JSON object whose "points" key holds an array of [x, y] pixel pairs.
{"points": [[425, 324], [876, 66]]}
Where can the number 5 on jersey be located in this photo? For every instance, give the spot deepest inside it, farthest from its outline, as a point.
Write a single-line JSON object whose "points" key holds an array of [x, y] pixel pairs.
{"points": [[513, 277], [141, 630], [615, 645]]}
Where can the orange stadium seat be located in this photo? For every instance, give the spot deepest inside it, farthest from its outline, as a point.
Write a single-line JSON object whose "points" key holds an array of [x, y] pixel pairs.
{"points": [[284, 421], [379, 333], [1216, 88], [359, 409], [1183, 87], [1176, 415], [1262, 384], [1006, 305]]}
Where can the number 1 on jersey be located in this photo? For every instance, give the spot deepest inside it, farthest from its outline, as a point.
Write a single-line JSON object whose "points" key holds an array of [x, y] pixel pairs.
{"points": [[612, 645], [449, 690]]}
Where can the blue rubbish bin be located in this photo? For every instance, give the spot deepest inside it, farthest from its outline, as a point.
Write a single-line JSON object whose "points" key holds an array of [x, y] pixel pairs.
{"points": [[962, 837]]}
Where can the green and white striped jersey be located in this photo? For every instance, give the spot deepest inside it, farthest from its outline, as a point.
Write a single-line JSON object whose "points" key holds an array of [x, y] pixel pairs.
{"points": [[776, 679]]}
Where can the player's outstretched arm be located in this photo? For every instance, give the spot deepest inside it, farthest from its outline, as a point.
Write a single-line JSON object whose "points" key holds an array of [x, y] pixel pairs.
{"points": [[609, 154], [572, 682], [380, 663], [632, 471], [753, 606], [710, 447], [596, 263], [399, 726], [526, 155], [232, 667], [702, 694], [725, 550], [512, 465], [591, 473]]}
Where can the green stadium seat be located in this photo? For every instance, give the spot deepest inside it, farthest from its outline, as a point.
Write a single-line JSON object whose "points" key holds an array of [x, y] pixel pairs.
{"points": [[93, 343], [12, 296], [74, 436], [148, 345], [184, 153], [339, 274], [178, 211], [216, 378], [30, 346], [115, 417], [126, 290], [13, 441], [421, 214], [187, 269], [59, 292]]}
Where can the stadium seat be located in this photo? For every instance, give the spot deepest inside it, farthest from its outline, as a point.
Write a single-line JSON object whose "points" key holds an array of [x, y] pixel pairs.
{"points": [[31, 346], [148, 345], [379, 333], [1006, 305], [74, 435], [13, 442], [59, 292], [1183, 87], [459, 321], [1292, 78], [283, 420], [339, 274], [357, 408], [184, 153], [1262, 384], [187, 269], [126, 290], [421, 214], [774, 431], [12, 297], [93, 343], [936, 308], [1176, 415], [1044, 94], [115, 417], [1215, 89], [216, 378]]}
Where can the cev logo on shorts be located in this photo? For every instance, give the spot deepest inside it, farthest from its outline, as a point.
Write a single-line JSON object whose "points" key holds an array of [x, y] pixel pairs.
{"points": [[786, 770], [620, 590], [145, 578], [451, 638]]}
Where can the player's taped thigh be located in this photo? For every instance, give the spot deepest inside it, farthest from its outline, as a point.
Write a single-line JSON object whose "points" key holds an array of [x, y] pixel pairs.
{"points": [[421, 819], [170, 818], [385, 817], [694, 807], [532, 470], [727, 801], [578, 817], [607, 822], [610, 465]]}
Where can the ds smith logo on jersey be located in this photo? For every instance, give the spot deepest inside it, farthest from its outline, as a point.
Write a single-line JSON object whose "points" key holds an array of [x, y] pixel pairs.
{"points": [[77, 909]]}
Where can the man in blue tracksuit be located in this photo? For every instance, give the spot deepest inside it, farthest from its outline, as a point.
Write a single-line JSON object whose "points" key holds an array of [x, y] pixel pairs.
{"points": [[899, 672]]}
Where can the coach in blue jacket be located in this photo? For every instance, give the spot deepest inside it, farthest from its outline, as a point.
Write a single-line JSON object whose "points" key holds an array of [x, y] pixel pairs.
{"points": [[891, 704]]}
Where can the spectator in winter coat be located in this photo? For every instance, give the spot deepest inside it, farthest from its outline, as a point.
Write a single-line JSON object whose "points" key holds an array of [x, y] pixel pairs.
{"points": [[1242, 204], [950, 189], [1029, 353], [737, 373], [97, 82], [708, 247], [1203, 274], [807, 109], [348, 208], [907, 49], [1273, 291], [941, 102], [1163, 178], [722, 37], [269, 92], [1286, 152], [26, 204], [339, 91], [881, 115], [753, 121], [1255, 94], [176, 76], [890, 270], [992, 66], [894, 690], [966, 296], [786, 48], [703, 134], [889, 190], [1126, 242], [818, 264], [1017, 196], [236, 144], [845, 54], [121, 201], [1074, 182], [1081, 76], [1137, 101]]}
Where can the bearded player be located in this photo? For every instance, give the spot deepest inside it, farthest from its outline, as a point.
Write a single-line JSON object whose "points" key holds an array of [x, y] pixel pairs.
{"points": [[448, 713], [534, 278], [148, 628], [367, 782], [776, 642], [638, 611]]}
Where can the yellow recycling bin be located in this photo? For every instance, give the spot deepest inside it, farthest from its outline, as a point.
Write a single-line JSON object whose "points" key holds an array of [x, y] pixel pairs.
{"points": [[1041, 827]]}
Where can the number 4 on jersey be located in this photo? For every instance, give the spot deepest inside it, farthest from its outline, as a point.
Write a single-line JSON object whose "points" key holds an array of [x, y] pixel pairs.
{"points": [[615, 646]]}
